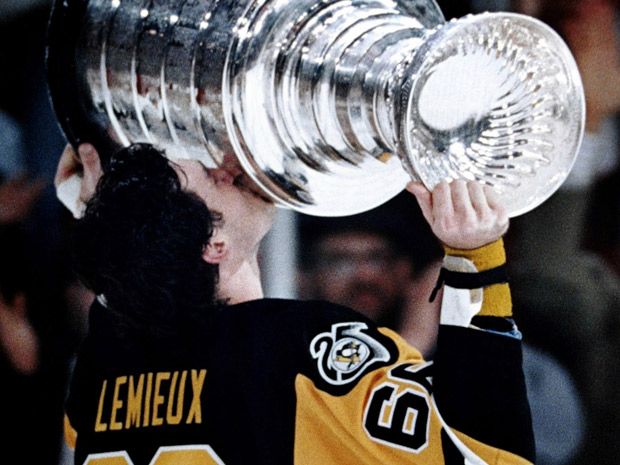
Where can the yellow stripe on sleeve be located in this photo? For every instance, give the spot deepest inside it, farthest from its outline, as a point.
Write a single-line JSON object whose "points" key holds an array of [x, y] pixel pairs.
{"points": [[486, 257], [497, 300]]}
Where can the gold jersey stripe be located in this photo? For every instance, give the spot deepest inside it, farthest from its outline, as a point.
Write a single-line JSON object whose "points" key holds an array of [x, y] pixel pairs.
{"points": [[70, 434]]}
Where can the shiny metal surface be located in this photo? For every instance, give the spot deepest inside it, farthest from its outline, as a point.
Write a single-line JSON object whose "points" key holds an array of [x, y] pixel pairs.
{"points": [[331, 106], [513, 120]]}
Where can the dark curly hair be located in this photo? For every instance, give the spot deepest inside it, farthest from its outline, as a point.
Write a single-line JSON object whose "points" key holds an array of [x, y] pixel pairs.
{"points": [[140, 245]]}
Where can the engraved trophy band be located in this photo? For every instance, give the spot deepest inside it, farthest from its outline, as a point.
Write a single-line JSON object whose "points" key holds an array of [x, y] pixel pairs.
{"points": [[329, 106]]}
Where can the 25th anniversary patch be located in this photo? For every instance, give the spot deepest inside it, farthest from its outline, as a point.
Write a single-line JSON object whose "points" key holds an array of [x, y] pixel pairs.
{"points": [[344, 354]]}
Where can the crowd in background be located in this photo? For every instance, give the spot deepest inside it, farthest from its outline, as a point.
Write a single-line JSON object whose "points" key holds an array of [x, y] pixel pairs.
{"points": [[564, 257]]}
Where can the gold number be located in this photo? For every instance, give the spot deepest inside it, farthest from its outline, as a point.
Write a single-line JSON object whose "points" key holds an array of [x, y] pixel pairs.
{"points": [[176, 455], [115, 458], [186, 455]]}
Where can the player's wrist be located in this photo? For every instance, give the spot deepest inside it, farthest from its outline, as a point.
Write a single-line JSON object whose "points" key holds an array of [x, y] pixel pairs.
{"points": [[482, 273], [484, 258]]}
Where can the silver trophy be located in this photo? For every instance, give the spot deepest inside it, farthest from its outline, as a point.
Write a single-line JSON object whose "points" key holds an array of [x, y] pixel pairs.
{"points": [[330, 106]]}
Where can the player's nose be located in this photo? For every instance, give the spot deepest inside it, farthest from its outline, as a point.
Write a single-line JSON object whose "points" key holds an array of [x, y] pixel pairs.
{"points": [[220, 176]]}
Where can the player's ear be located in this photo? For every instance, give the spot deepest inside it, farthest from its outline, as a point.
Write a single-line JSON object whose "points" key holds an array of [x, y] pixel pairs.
{"points": [[216, 250]]}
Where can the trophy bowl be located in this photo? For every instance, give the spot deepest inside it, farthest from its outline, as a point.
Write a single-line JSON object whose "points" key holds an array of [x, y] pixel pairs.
{"points": [[514, 119], [329, 106]]}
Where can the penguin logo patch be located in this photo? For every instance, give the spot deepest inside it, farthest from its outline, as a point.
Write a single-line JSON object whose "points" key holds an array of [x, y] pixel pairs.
{"points": [[345, 353]]}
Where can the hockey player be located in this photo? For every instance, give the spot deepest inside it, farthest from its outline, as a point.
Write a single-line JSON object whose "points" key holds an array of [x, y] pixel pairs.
{"points": [[187, 363]]}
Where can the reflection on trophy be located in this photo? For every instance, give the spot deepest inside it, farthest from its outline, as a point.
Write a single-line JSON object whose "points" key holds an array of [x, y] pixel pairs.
{"points": [[330, 106]]}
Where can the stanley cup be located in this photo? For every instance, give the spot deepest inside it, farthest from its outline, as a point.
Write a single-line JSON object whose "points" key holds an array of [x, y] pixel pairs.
{"points": [[330, 106]]}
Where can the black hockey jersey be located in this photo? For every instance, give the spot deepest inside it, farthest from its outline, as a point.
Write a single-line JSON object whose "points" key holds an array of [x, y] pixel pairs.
{"points": [[279, 382]]}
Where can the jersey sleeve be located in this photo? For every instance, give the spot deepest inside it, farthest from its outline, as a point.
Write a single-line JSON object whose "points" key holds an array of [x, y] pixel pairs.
{"points": [[367, 397], [479, 384]]}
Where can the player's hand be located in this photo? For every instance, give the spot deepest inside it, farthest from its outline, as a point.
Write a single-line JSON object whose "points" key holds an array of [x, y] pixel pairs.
{"points": [[85, 165], [463, 215]]}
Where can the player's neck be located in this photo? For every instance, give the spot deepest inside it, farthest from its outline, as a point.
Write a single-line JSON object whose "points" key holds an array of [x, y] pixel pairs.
{"points": [[240, 282]]}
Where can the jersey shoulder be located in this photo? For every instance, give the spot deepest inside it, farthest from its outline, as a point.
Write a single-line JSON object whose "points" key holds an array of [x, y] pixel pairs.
{"points": [[338, 346]]}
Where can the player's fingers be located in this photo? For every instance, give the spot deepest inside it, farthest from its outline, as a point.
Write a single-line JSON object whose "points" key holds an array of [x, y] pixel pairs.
{"points": [[460, 199], [478, 198], [497, 206], [88, 156], [68, 165], [492, 198], [442, 200], [92, 170], [424, 198]]}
